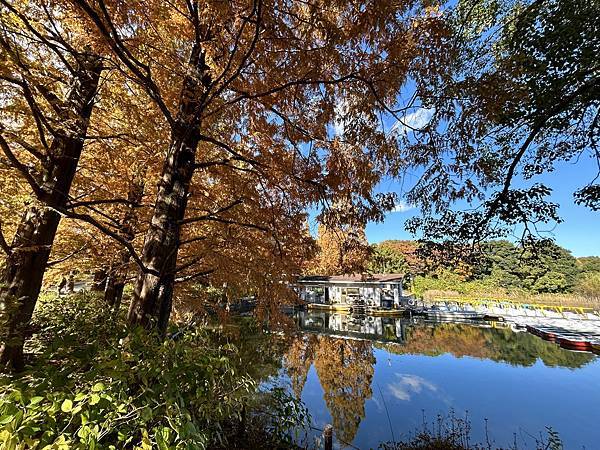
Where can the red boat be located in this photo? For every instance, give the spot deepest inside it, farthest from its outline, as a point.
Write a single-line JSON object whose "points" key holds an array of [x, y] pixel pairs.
{"points": [[549, 336], [574, 343], [533, 330]]}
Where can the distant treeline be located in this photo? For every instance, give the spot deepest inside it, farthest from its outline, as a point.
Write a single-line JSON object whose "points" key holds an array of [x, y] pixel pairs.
{"points": [[502, 267]]}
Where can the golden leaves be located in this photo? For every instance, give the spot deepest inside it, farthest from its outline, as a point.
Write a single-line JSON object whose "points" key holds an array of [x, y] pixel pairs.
{"points": [[266, 110]]}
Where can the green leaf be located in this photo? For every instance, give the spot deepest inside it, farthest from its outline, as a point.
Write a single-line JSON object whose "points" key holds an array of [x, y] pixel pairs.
{"points": [[7, 418], [162, 436], [36, 400], [146, 442], [66, 406], [98, 387], [146, 413]]}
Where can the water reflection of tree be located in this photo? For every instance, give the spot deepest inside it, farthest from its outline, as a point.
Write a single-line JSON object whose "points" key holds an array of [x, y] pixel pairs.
{"points": [[505, 345], [345, 369], [298, 359], [260, 353]]}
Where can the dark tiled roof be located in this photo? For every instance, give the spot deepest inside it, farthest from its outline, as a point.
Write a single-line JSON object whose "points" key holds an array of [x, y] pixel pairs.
{"points": [[372, 278]]}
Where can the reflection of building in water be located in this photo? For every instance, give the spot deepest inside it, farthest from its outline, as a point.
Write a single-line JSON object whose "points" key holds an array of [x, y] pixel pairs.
{"points": [[380, 291], [345, 367], [388, 329]]}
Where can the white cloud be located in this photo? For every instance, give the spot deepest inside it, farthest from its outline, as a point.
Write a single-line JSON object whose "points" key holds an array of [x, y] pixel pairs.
{"points": [[417, 119], [403, 207], [407, 385]]}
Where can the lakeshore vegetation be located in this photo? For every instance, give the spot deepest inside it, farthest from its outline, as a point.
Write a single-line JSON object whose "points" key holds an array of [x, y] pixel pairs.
{"points": [[168, 155], [549, 275]]}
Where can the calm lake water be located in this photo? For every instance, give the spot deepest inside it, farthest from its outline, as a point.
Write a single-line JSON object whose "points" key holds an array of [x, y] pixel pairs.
{"points": [[352, 372]]}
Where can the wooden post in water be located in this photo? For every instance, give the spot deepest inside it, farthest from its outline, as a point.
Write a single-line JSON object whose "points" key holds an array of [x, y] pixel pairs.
{"points": [[328, 437]]}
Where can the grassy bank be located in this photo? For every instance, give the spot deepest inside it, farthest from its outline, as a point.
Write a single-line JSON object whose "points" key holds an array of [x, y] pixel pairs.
{"points": [[449, 285], [571, 300]]}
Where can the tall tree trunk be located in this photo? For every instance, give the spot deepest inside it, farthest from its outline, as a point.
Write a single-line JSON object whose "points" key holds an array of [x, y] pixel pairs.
{"points": [[113, 295], [99, 282], [21, 280], [153, 294], [117, 274], [152, 299]]}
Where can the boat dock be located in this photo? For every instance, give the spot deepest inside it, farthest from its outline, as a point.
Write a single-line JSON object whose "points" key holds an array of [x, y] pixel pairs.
{"points": [[571, 327]]}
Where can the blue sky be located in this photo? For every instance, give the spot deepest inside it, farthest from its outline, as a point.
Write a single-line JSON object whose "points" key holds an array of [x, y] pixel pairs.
{"points": [[580, 231]]}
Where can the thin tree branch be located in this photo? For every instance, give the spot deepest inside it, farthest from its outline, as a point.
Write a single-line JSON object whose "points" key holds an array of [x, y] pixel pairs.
{"points": [[41, 37], [123, 241], [229, 149], [193, 276], [537, 128], [241, 224], [188, 264], [3, 244], [122, 201], [192, 240], [69, 256], [211, 214], [256, 9], [140, 70], [22, 168]]}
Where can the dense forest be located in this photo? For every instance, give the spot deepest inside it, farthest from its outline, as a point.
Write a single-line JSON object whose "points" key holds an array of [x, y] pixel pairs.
{"points": [[498, 267], [154, 151], [502, 267]]}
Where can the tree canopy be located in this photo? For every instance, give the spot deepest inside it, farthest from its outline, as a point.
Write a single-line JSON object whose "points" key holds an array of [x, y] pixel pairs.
{"points": [[523, 96], [184, 143], [502, 265]]}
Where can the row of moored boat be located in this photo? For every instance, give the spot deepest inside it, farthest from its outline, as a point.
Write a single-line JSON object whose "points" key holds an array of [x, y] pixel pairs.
{"points": [[581, 341]]}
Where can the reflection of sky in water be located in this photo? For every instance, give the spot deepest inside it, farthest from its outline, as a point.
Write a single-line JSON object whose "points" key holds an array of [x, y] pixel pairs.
{"points": [[408, 384], [514, 399]]}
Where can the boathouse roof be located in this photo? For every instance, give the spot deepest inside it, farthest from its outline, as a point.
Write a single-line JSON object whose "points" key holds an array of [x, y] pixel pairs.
{"points": [[352, 278]]}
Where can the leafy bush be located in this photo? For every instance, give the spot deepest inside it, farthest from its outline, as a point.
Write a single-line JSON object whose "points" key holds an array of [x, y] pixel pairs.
{"points": [[93, 385], [452, 284], [589, 285]]}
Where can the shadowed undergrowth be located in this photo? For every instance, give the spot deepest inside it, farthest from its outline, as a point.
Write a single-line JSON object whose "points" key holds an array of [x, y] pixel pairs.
{"points": [[91, 384]]}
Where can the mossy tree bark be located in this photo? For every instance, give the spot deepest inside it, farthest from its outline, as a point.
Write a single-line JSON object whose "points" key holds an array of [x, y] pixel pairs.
{"points": [[21, 280], [153, 294]]}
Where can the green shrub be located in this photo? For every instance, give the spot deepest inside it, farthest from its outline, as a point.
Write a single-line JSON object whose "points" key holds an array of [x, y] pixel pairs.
{"points": [[452, 284], [93, 385], [589, 285]]}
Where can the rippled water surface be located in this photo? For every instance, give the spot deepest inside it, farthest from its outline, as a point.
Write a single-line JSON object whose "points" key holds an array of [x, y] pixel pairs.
{"points": [[352, 372]]}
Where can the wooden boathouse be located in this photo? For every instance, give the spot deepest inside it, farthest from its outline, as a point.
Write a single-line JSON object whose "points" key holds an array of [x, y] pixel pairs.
{"points": [[347, 291]]}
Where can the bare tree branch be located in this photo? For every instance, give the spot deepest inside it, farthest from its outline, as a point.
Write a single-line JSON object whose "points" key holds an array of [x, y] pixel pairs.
{"points": [[22, 168], [69, 256], [3, 244]]}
